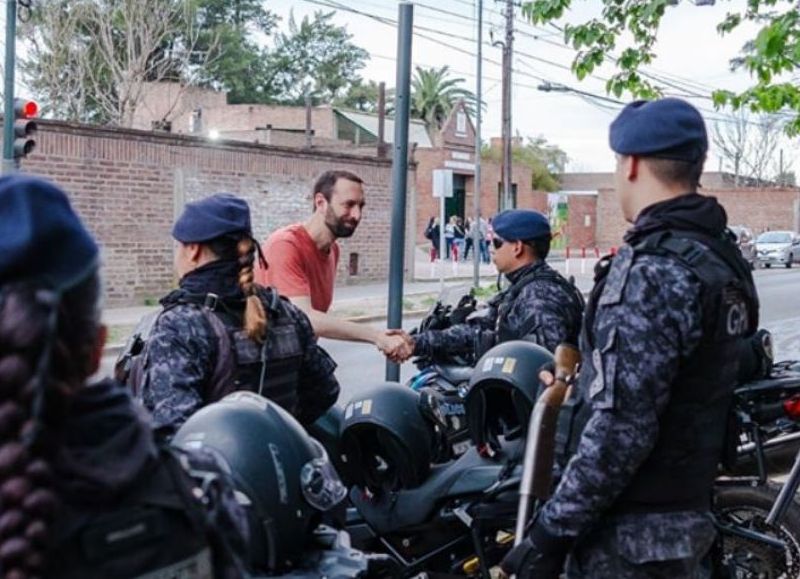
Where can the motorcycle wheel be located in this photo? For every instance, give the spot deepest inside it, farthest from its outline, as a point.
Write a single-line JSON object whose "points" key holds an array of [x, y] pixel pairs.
{"points": [[747, 558]]}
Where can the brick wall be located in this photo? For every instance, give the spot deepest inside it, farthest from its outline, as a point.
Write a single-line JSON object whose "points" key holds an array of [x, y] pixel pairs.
{"points": [[129, 185], [757, 209], [581, 220]]}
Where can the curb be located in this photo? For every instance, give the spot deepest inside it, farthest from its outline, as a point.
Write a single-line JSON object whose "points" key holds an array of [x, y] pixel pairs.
{"points": [[116, 349]]}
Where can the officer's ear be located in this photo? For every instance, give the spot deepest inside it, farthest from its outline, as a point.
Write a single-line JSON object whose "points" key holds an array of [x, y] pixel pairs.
{"points": [[631, 167], [519, 248], [194, 251]]}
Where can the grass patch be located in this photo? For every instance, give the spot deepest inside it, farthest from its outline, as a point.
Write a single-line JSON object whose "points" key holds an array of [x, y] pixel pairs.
{"points": [[484, 291]]}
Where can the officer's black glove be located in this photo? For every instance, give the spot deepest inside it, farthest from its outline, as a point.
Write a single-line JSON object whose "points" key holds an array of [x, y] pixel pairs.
{"points": [[541, 555]]}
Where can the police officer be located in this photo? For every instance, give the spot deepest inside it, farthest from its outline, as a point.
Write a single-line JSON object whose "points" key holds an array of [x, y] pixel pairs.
{"points": [[539, 305], [85, 491], [220, 332], [659, 347]]}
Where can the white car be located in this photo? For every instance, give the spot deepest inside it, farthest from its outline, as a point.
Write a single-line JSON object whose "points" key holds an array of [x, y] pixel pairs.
{"points": [[778, 247]]}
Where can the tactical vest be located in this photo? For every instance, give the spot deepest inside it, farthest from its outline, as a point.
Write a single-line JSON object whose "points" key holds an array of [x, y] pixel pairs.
{"points": [[505, 300], [271, 368], [679, 472], [156, 530]]}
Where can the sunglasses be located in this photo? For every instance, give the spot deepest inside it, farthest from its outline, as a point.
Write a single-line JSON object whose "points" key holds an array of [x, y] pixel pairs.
{"points": [[498, 242]]}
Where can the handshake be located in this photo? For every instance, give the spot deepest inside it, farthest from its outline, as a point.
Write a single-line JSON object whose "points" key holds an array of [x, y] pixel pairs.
{"points": [[396, 345]]}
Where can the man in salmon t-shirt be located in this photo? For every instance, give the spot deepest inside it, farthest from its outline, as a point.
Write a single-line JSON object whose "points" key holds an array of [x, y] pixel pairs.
{"points": [[303, 257]]}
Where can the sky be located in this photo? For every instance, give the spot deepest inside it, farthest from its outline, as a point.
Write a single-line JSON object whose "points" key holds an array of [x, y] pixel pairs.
{"points": [[691, 54]]}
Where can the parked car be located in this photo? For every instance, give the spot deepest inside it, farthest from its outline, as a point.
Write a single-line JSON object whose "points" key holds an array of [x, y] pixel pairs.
{"points": [[746, 243], [778, 247]]}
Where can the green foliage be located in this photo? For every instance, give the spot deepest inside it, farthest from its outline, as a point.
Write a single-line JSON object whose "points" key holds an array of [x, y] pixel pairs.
{"points": [[434, 93], [361, 96], [545, 160], [317, 57], [773, 54], [87, 60]]}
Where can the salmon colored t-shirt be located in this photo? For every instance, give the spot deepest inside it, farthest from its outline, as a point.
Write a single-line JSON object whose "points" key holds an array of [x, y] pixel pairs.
{"points": [[298, 268]]}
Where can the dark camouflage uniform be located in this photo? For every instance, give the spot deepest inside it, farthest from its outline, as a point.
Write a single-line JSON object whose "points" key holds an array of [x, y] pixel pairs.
{"points": [[652, 325], [181, 356], [545, 311]]}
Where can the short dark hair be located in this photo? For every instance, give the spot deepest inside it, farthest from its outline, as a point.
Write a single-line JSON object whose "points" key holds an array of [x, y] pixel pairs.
{"points": [[327, 181], [673, 172], [540, 245]]}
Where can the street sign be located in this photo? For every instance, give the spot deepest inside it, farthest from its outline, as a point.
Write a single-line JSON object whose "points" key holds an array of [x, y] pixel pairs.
{"points": [[442, 183]]}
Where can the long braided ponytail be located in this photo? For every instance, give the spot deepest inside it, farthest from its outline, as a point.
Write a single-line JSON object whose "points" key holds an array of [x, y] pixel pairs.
{"points": [[255, 318], [38, 373]]}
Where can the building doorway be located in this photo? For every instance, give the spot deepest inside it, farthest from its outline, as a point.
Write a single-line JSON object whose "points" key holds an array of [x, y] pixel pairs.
{"points": [[455, 205]]}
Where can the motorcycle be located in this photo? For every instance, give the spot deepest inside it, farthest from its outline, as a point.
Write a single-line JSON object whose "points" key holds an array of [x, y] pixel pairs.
{"points": [[461, 520], [758, 520], [442, 380]]}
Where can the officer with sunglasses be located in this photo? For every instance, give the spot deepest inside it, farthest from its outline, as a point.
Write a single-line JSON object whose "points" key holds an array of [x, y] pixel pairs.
{"points": [[539, 305]]}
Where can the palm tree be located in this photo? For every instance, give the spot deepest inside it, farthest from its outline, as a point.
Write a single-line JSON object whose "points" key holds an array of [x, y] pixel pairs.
{"points": [[434, 94]]}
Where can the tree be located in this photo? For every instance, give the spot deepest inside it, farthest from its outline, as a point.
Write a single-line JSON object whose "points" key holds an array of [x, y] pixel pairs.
{"points": [[747, 146], [773, 53], [231, 33], [545, 160], [315, 57], [434, 94], [90, 59], [361, 96]]}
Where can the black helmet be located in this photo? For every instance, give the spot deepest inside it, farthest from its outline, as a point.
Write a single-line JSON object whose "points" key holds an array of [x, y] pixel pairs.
{"points": [[282, 476], [502, 392], [386, 441]]}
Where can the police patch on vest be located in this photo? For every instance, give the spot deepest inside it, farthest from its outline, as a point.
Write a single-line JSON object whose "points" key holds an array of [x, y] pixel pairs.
{"points": [[735, 319]]}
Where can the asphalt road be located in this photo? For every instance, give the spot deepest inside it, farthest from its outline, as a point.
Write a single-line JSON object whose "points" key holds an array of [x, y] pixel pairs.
{"points": [[361, 365]]}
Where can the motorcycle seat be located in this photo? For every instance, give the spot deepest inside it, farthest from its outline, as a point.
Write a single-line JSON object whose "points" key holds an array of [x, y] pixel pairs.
{"points": [[454, 374], [470, 474]]}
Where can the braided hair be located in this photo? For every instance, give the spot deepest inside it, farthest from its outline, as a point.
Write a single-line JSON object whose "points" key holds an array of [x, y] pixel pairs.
{"points": [[243, 248], [46, 351]]}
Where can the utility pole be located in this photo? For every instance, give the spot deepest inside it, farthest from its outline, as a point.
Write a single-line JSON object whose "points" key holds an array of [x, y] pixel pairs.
{"points": [[405, 30], [9, 165], [508, 49], [476, 223]]}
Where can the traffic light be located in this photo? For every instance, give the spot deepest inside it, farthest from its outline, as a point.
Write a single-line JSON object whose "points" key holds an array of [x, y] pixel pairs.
{"points": [[24, 127]]}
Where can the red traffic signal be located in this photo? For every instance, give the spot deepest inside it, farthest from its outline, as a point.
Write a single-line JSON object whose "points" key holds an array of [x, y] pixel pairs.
{"points": [[25, 109], [24, 127]]}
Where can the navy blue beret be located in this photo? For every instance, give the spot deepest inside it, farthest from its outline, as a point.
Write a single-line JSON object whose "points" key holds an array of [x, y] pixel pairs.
{"points": [[42, 239], [212, 217], [520, 224], [668, 128]]}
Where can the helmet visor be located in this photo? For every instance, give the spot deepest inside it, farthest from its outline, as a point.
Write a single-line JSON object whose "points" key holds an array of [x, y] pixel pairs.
{"points": [[322, 487]]}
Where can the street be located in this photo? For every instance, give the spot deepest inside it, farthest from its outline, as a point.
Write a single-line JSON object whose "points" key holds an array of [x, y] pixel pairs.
{"points": [[361, 365]]}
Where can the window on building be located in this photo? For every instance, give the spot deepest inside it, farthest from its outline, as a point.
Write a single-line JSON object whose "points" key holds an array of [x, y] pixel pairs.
{"points": [[196, 121], [461, 123]]}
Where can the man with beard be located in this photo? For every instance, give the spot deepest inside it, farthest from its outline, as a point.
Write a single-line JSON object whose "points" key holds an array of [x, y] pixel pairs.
{"points": [[302, 260]]}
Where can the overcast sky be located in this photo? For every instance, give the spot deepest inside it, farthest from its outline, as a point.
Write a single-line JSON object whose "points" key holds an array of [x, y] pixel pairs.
{"points": [[690, 54]]}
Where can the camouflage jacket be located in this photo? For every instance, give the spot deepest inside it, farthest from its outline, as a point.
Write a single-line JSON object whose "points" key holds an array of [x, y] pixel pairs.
{"points": [[544, 310], [182, 355]]}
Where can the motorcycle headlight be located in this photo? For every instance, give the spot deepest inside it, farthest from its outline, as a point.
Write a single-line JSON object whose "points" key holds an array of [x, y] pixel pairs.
{"points": [[321, 485]]}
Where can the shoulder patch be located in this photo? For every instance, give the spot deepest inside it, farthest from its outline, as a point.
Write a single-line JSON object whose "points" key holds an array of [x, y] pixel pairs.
{"points": [[617, 276]]}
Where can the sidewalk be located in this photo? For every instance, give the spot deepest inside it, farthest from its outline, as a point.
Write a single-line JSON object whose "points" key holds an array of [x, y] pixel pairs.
{"points": [[368, 301]]}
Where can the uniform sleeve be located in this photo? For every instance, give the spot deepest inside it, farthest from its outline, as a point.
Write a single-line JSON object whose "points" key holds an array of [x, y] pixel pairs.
{"points": [[180, 356], [545, 313], [653, 327], [318, 388], [463, 338], [286, 272]]}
